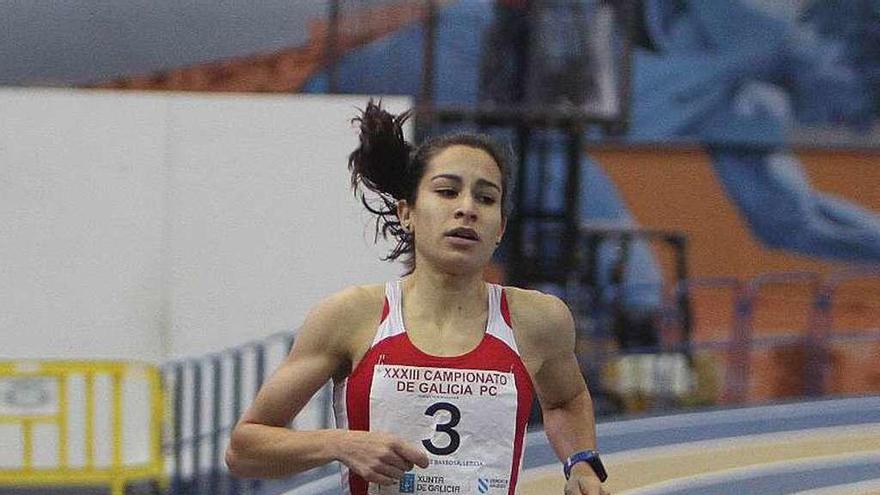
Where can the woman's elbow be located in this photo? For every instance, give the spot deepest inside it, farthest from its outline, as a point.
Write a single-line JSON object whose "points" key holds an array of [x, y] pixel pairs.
{"points": [[232, 461], [233, 456]]}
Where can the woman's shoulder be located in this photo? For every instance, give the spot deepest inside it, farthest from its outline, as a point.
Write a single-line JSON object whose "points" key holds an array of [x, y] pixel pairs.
{"points": [[536, 312], [345, 318], [531, 301], [353, 302]]}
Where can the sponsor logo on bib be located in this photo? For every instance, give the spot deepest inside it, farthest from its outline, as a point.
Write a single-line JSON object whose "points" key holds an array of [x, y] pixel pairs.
{"points": [[408, 483], [483, 485]]}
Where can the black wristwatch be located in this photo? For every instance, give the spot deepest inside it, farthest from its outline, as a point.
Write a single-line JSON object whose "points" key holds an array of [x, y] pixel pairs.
{"points": [[591, 457]]}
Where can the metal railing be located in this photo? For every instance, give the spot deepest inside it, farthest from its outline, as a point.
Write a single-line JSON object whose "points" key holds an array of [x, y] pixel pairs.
{"points": [[774, 336], [208, 395]]}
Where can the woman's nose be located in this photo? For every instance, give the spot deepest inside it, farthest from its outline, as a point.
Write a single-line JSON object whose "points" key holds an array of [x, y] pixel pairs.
{"points": [[466, 209]]}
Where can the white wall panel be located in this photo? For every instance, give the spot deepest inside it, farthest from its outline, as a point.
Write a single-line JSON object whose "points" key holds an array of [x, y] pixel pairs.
{"points": [[159, 225], [81, 200], [263, 222]]}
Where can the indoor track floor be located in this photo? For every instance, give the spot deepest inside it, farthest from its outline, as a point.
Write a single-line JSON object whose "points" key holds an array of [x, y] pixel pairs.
{"points": [[822, 447], [825, 447]]}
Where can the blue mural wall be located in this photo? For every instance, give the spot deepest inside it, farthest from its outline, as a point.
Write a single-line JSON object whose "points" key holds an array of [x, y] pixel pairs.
{"points": [[716, 72]]}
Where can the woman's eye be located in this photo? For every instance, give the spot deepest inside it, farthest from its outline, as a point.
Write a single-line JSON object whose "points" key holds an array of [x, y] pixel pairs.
{"points": [[487, 200], [449, 193]]}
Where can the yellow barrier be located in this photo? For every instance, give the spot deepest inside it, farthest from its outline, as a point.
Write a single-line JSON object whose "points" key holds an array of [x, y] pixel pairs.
{"points": [[38, 393]]}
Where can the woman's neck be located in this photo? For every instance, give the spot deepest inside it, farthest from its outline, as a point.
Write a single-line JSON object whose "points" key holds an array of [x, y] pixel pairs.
{"points": [[440, 296]]}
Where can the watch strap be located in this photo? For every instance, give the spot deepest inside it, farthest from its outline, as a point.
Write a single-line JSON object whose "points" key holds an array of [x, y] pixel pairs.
{"points": [[591, 457]]}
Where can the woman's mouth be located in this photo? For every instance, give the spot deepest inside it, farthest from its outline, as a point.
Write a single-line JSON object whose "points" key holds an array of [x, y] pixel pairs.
{"points": [[463, 235]]}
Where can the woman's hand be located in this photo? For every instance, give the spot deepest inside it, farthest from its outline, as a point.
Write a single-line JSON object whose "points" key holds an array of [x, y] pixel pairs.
{"points": [[379, 457], [583, 481]]}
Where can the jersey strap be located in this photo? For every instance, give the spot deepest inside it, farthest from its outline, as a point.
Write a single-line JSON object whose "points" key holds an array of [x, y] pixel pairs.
{"points": [[392, 315], [499, 320]]}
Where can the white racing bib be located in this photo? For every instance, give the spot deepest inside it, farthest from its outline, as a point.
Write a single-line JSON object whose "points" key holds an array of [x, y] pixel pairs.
{"points": [[464, 419]]}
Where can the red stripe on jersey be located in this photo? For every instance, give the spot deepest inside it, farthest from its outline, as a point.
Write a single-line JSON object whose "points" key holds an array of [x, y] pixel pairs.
{"points": [[505, 310], [385, 310], [523, 410], [357, 407]]}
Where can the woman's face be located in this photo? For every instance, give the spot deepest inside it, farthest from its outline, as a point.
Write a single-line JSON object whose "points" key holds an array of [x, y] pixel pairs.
{"points": [[457, 218]]}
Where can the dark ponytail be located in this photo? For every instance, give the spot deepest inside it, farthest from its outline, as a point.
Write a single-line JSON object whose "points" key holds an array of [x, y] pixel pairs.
{"points": [[381, 164]]}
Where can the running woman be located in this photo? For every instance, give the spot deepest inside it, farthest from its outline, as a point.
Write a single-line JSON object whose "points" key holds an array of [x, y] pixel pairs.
{"points": [[434, 373]]}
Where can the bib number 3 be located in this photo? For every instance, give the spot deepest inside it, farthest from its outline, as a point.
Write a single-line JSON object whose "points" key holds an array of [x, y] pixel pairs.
{"points": [[446, 428]]}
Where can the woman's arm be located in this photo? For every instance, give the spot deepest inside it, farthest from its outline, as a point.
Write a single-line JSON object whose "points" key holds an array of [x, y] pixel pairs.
{"points": [[565, 401], [569, 421], [261, 446]]}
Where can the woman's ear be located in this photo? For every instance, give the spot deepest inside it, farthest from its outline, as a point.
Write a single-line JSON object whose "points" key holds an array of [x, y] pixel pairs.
{"points": [[404, 214], [503, 228]]}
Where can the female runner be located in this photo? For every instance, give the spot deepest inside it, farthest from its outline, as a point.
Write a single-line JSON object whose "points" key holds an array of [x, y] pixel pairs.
{"points": [[433, 374]]}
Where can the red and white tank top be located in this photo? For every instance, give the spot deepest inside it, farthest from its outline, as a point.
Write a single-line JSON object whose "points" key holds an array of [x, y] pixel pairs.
{"points": [[467, 412]]}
